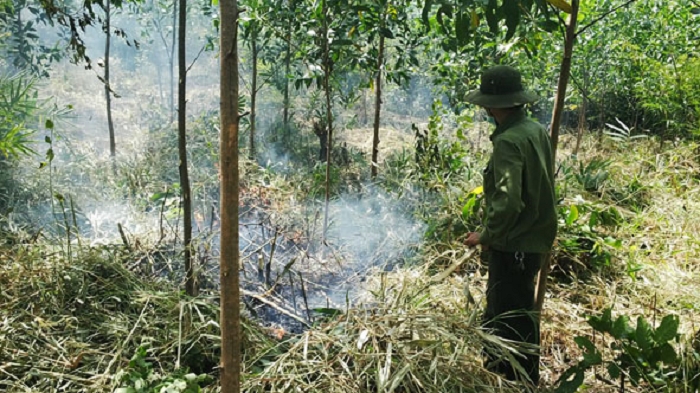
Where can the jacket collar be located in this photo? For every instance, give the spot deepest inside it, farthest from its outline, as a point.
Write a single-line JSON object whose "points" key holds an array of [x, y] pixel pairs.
{"points": [[515, 117]]}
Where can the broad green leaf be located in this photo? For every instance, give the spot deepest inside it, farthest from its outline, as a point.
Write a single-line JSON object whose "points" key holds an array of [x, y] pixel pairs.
{"points": [[462, 23], [643, 334], [512, 13], [614, 370], [561, 5], [491, 18], [426, 13], [48, 124], [603, 323], [667, 354], [573, 215], [567, 384], [584, 343], [621, 328], [667, 330], [468, 207], [475, 20], [591, 356], [386, 33]]}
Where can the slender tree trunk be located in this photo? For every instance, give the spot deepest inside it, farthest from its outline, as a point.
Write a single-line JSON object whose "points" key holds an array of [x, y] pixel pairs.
{"points": [[230, 301], [327, 69], [253, 89], [287, 64], [582, 112], [377, 106], [172, 65], [185, 192], [108, 94], [564, 73]]}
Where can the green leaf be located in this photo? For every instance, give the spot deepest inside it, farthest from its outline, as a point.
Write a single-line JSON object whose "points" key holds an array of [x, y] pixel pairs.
{"points": [[573, 215], [386, 33], [329, 312], [48, 124], [426, 13], [602, 324], [491, 18], [512, 12], [667, 330], [468, 207], [695, 10], [643, 335], [614, 370], [562, 5], [567, 384], [462, 26], [667, 354], [584, 343], [444, 10], [47, 139], [591, 356], [621, 328]]}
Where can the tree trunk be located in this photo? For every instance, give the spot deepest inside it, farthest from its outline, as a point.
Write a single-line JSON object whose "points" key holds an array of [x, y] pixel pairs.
{"points": [[377, 106], [582, 113], [254, 88], [108, 94], [327, 68], [287, 64], [172, 65], [564, 73], [185, 192], [230, 301]]}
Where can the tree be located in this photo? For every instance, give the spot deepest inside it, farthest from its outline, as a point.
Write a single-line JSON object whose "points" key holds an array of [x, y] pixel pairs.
{"points": [[382, 21], [230, 302], [252, 33], [564, 73], [108, 87], [185, 192]]}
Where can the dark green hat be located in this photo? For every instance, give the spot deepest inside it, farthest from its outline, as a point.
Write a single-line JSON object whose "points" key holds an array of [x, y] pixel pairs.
{"points": [[501, 87]]}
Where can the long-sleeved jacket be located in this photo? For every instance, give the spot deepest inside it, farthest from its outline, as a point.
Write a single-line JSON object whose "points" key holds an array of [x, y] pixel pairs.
{"points": [[519, 188]]}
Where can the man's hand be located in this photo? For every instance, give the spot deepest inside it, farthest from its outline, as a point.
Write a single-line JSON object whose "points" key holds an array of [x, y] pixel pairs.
{"points": [[473, 238]]}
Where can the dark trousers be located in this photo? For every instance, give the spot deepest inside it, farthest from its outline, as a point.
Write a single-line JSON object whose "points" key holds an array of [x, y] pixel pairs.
{"points": [[510, 309]]}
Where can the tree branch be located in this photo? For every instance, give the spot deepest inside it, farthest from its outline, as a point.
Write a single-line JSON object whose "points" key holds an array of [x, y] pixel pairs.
{"points": [[196, 58], [598, 19]]}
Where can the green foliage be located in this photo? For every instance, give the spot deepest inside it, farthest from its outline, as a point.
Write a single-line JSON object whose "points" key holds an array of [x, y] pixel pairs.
{"points": [[24, 50], [140, 377], [592, 176], [622, 134], [18, 108], [435, 159], [582, 236], [644, 355]]}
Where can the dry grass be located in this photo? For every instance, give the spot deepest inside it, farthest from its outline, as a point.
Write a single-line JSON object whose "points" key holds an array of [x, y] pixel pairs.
{"points": [[419, 333]]}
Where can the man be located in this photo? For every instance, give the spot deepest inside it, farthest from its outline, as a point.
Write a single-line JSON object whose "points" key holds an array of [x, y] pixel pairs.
{"points": [[521, 218]]}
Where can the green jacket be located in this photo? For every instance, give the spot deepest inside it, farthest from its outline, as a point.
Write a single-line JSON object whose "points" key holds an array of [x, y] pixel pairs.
{"points": [[521, 210]]}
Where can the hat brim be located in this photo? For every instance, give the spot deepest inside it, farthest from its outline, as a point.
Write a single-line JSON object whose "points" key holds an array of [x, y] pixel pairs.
{"points": [[476, 97]]}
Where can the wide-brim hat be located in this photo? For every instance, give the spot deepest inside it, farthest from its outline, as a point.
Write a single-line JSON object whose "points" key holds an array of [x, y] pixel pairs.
{"points": [[501, 87]]}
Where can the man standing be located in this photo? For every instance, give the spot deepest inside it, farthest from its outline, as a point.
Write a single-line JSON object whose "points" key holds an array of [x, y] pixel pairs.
{"points": [[521, 218]]}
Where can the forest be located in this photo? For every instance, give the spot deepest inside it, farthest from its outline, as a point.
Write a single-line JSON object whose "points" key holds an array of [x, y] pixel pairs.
{"points": [[276, 195]]}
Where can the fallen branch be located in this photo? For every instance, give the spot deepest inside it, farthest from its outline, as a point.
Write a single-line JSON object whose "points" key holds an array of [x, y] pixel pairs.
{"points": [[276, 307]]}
